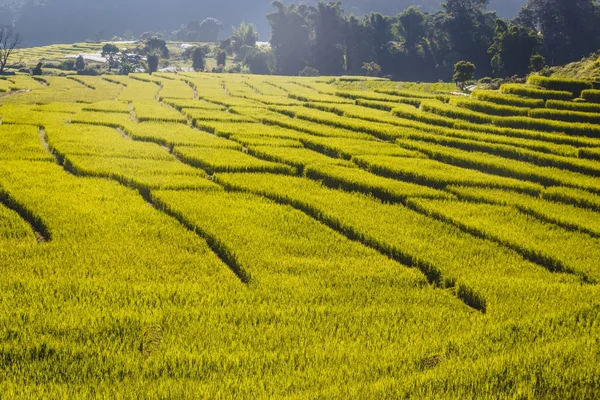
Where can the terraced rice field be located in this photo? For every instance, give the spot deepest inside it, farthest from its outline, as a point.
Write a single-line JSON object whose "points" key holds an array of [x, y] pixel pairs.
{"points": [[227, 236]]}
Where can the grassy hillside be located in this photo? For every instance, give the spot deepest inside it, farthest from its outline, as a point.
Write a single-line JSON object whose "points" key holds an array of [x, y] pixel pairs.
{"points": [[587, 69], [186, 235]]}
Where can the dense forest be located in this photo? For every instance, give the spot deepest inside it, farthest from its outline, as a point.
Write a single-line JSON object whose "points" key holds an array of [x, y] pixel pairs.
{"points": [[66, 21]]}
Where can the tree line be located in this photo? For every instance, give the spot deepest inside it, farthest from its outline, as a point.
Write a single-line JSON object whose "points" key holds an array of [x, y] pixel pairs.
{"points": [[414, 45]]}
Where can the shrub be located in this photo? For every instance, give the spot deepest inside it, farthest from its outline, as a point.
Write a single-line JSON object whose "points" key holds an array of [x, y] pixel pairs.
{"points": [[37, 71], [152, 60], [464, 71], [80, 63], [198, 62], [221, 58], [560, 84]]}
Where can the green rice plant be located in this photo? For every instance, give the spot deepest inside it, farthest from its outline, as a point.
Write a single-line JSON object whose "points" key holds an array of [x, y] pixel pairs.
{"points": [[495, 97], [576, 197], [171, 135], [573, 106], [574, 86], [90, 140], [249, 140], [592, 95], [108, 106], [137, 90], [592, 154], [353, 179], [437, 174], [229, 101], [347, 148], [21, 142], [482, 140], [299, 158], [542, 159], [144, 174], [489, 108], [535, 93], [556, 248], [70, 108], [412, 94], [198, 115], [565, 115], [450, 111], [566, 216], [319, 98], [386, 105], [176, 89], [497, 165], [25, 115], [273, 100], [423, 242], [227, 160], [101, 86], [547, 125], [114, 120], [180, 104], [312, 128], [157, 112]]}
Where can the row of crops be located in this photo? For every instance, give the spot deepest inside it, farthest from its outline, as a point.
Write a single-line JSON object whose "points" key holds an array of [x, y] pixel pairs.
{"points": [[255, 236]]}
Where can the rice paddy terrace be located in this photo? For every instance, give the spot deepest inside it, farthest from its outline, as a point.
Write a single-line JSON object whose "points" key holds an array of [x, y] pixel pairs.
{"points": [[227, 236]]}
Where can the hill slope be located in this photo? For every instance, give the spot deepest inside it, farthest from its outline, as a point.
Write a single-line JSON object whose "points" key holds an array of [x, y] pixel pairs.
{"points": [[64, 21]]}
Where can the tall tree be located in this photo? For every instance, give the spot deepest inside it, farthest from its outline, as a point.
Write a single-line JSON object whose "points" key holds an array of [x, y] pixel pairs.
{"points": [[9, 41], [470, 30], [328, 50], [513, 48], [571, 28], [290, 37]]}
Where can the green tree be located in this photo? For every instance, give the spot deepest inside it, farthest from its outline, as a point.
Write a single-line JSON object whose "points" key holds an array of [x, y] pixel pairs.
{"points": [[513, 48], [198, 62], [537, 63], [290, 37], [464, 71], [571, 28], [152, 59], [80, 64], [221, 58], [37, 71], [371, 69], [209, 30], [244, 35], [157, 45], [111, 53], [470, 30], [411, 27], [328, 51]]}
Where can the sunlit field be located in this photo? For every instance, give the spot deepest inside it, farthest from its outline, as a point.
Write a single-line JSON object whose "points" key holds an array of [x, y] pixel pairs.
{"points": [[199, 235]]}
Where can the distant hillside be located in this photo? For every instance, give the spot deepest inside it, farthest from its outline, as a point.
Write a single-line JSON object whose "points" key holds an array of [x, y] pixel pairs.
{"points": [[65, 21], [587, 69]]}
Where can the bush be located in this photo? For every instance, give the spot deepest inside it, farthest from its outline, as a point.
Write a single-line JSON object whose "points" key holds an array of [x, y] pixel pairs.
{"points": [[560, 84], [593, 96], [37, 71], [88, 72], [152, 60], [221, 58], [464, 71], [80, 63], [198, 62]]}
